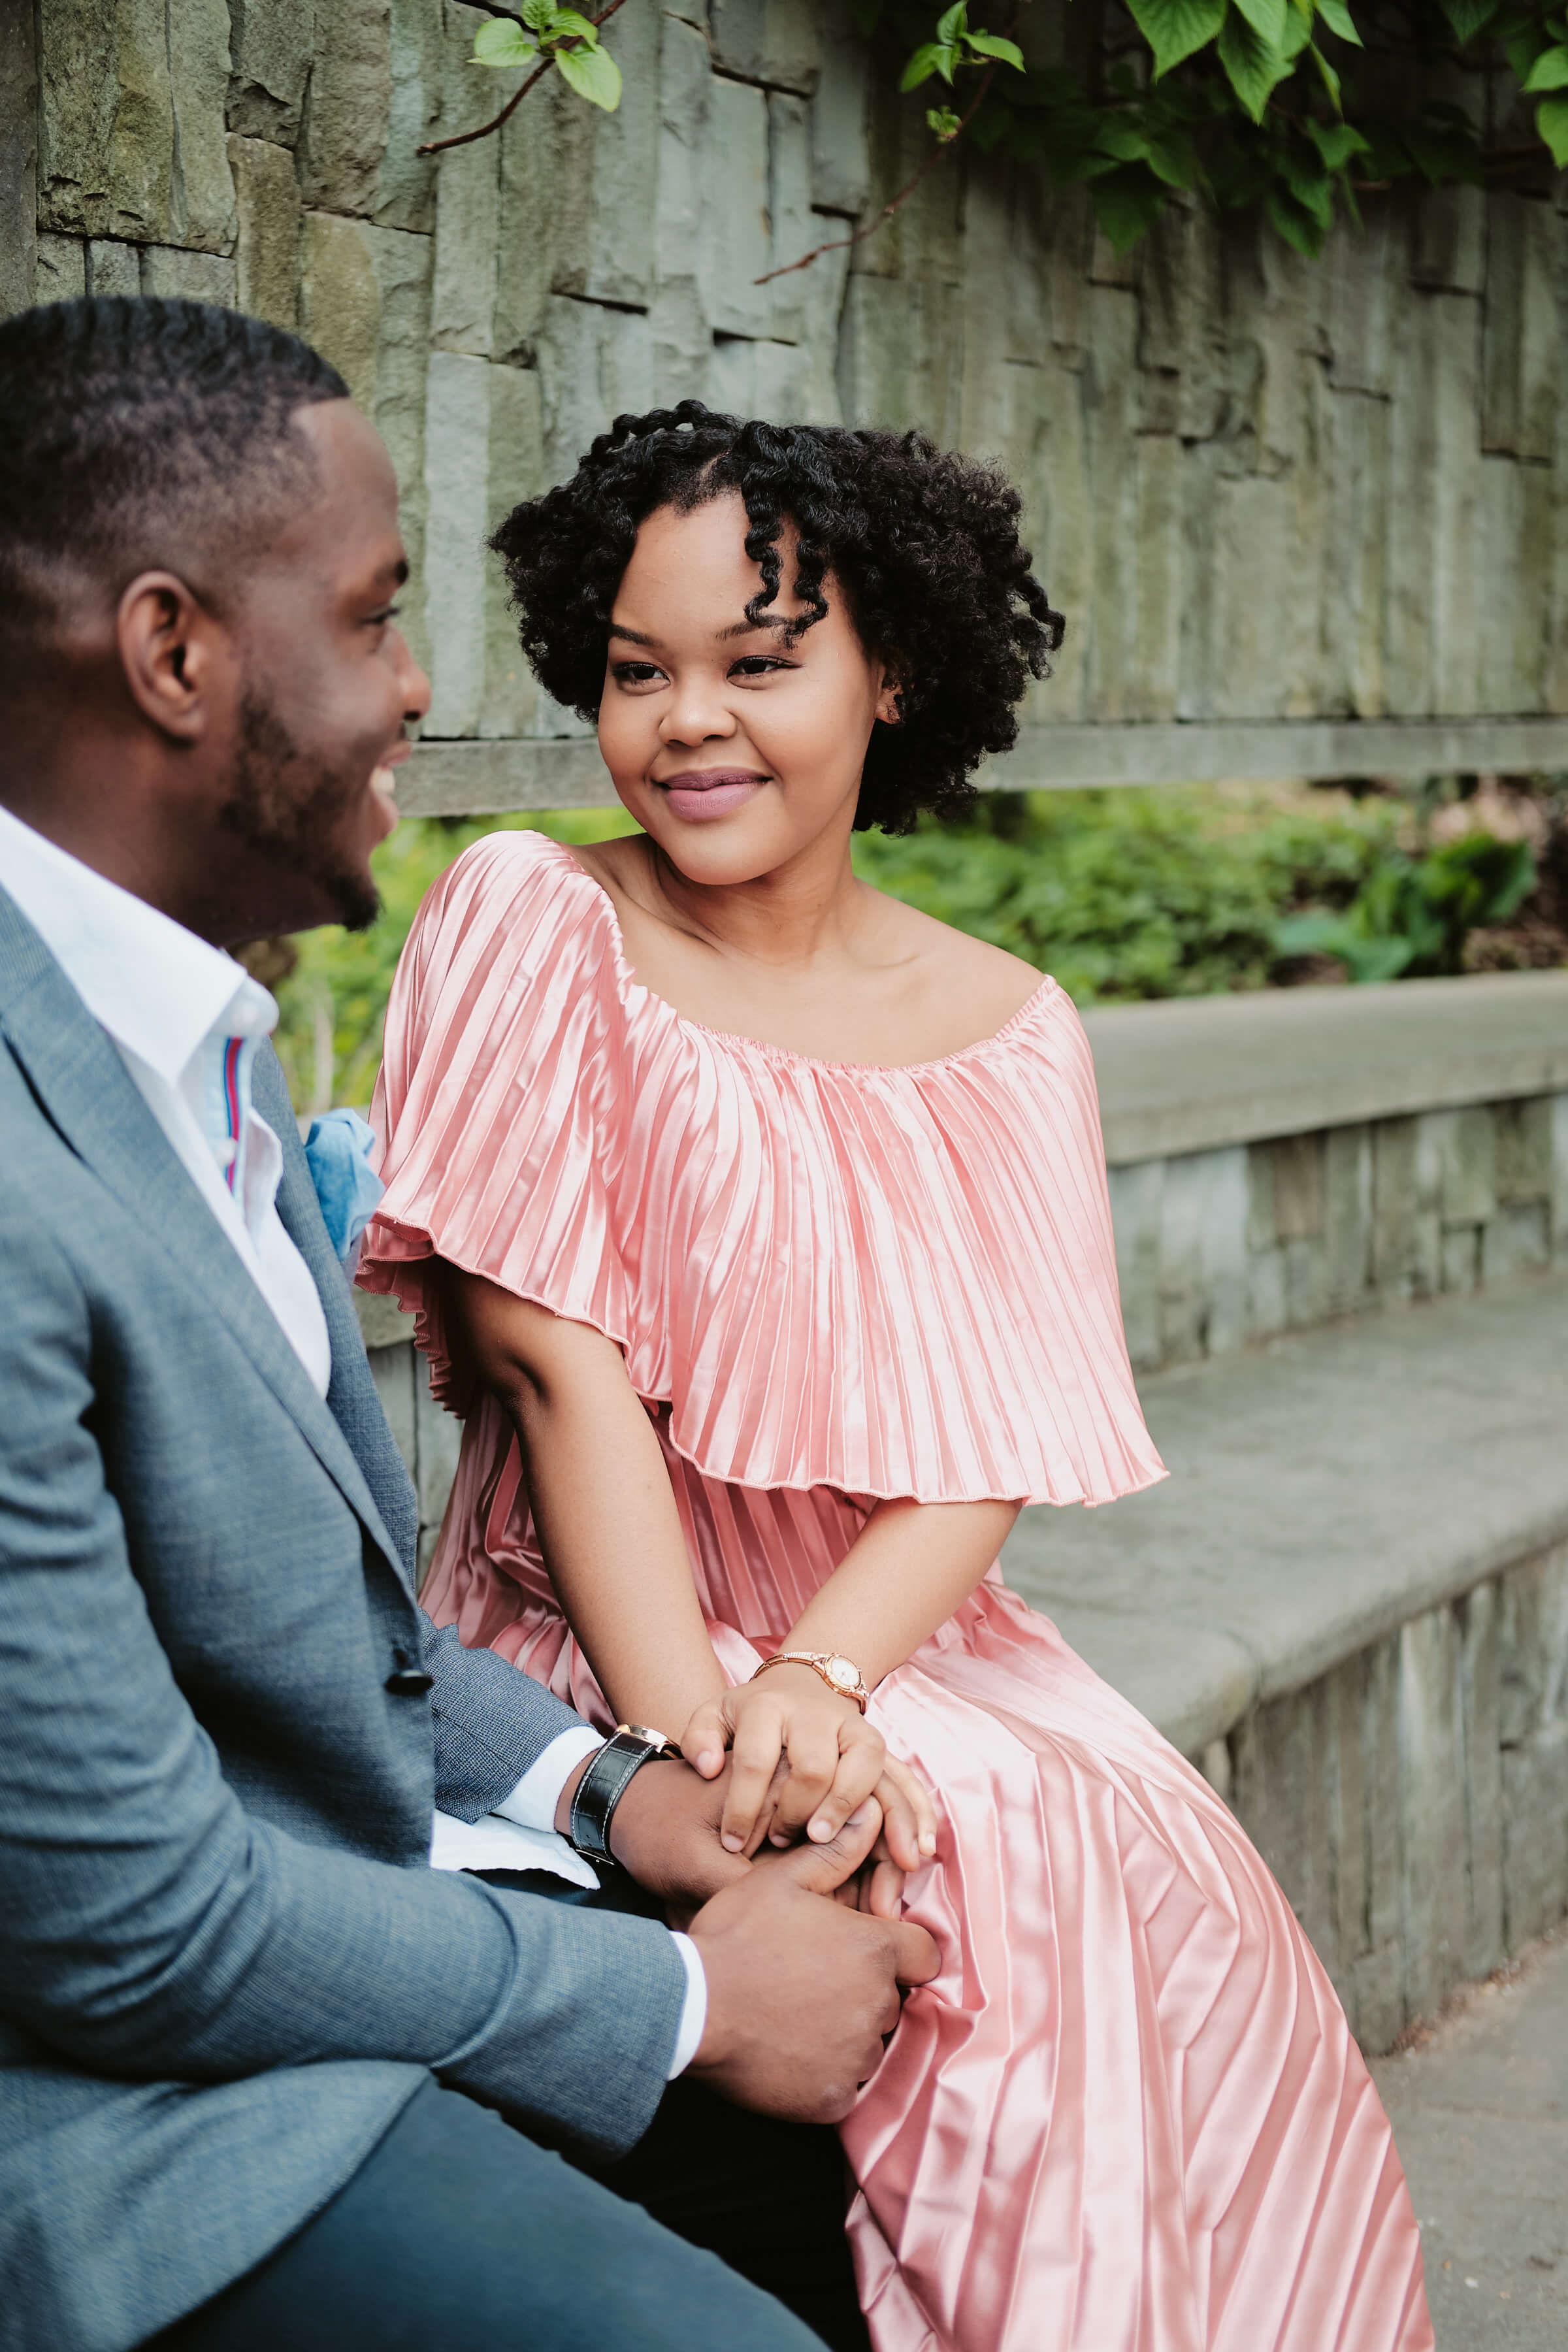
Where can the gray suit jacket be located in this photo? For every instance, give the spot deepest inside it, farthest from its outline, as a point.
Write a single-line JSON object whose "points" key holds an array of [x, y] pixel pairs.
{"points": [[225, 1966]]}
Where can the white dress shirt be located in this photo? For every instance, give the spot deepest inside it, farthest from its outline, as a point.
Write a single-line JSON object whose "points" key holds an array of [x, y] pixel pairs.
{"points": [[187, 1020]]}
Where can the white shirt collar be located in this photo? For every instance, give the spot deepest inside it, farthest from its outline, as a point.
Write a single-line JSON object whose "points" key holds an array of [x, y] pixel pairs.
{"points": [[156, 987]]}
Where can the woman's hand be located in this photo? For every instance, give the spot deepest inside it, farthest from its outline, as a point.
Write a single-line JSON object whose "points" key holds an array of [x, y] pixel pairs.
{"points": [[836, 1760]]}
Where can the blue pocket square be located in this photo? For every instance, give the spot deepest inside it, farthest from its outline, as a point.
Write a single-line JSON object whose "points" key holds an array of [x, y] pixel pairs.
{"points": [[339, 1148]]}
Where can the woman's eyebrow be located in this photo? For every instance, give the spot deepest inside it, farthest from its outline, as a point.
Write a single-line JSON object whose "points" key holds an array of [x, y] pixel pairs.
{"points": [[748, 628], [632, 636]]}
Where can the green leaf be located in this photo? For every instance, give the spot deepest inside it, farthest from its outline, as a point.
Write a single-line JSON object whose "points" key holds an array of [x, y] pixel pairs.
{"points": [[953, 26], [1339, 20], [1267, 19], [1119, 137], [1176, 30], [1298, 34], [593, 74], [1253, 68], [1312, 188], [1522, 48], [921, 65], [1336, 142], [991, 45], [1174, 156], [500, 44], [1126, 203], [1302, 230], [1552, 121], [1331, 79], [539, 15], [1550, 71], [568, 21], [943, 121], [1468, 16]]}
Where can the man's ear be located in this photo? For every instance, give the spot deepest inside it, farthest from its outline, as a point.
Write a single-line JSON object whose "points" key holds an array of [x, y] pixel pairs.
{"points": [[173, 653]]}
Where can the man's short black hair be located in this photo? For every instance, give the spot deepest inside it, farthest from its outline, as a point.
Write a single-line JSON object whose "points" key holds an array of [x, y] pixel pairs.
{"points": [[923, 545], [138, 433]]}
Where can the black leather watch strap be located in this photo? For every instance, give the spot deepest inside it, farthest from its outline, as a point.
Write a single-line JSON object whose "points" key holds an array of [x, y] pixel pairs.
{"points": [[601, 1789]]}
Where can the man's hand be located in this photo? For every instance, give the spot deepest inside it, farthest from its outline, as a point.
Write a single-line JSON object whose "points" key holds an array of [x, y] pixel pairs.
{"points": [[665, 1832], [801, 1991]]}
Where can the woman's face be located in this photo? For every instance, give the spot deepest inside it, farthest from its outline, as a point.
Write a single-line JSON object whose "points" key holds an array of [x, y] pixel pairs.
{"points": [[735, 748]]}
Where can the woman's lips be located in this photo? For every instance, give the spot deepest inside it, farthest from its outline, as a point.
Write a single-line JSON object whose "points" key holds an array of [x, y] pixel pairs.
{"points": [[703, 793]]}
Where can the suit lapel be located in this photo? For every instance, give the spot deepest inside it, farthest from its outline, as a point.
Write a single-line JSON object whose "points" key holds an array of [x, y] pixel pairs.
{"points": [[88, 1093], [352, 1398]]}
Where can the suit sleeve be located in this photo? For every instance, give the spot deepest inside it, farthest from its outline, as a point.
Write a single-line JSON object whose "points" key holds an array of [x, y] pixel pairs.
{"points": [[155, 1930], [492, 1722]]}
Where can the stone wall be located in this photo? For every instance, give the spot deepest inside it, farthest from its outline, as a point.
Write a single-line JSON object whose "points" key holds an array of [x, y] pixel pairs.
{"points": [[1414, 1803], [1220, 1250], [1262, 489]]}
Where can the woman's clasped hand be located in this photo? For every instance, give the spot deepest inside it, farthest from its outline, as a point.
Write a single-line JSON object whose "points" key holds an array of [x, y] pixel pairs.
{"points": [[805, 1757]]}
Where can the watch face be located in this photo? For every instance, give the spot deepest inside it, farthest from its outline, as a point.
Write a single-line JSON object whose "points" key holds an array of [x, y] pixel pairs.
{"points": [[844, 1673]]}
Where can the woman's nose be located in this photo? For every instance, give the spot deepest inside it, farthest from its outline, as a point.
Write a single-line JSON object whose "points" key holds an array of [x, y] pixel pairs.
{"points": [[696, 714]]}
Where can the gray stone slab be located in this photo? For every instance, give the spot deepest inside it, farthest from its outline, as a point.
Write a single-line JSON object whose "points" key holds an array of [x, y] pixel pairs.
{"points": [[267, 195], [1192, 1074], [18, 154], [1065, 757], [1480, 2117], [269, 46], [1325, 1490]]}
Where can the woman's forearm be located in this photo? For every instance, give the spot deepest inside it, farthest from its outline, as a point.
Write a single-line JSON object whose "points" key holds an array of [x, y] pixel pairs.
{"points": [[909, 1568], [601, 1504]]}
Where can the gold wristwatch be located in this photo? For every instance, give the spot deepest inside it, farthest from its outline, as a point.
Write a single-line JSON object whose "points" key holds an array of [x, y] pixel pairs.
{"points": [[840, 1674]]}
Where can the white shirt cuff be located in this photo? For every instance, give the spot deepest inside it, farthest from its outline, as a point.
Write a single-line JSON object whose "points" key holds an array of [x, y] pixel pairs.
{"points": [[533, 1803], [693, 2009]]}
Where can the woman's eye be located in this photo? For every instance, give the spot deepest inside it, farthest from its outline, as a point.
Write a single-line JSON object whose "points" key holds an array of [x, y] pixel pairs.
{"points": [[757, 665], [388, 612], [635, 673]]}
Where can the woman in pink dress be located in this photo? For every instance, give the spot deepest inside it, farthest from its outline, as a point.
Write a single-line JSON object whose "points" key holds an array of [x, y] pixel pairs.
{"points": [[758, 1226]]}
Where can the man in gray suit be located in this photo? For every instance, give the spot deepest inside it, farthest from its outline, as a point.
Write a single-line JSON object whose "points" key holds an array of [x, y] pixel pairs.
{"points": [[266, 2078]]}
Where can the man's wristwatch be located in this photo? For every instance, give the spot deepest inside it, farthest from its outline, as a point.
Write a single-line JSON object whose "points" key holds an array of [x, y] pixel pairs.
{"points": [[605, 1783], [840, 1674]]}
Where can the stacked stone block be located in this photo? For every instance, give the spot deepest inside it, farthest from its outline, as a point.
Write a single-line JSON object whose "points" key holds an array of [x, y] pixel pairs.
{"points": [[1413, 1802], [1218, 1249], [1260, 488]]}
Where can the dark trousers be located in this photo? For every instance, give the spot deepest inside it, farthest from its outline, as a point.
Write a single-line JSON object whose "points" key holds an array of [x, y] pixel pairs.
{"points": [[459, 2235]]}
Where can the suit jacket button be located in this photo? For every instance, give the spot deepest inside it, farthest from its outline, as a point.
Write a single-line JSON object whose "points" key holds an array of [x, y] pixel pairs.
{"points": [[409, 1681]]}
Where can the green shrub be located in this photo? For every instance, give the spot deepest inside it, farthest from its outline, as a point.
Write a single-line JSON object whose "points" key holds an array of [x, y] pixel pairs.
{"points": [[1118, 894]]}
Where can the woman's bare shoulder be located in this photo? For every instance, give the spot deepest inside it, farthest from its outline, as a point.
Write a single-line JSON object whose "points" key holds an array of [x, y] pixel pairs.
{"points": [[978, 987]]}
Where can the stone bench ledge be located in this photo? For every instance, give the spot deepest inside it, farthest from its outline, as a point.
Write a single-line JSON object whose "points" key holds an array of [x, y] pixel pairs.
{"points": [[1194, 1074], [1324, 1491]]}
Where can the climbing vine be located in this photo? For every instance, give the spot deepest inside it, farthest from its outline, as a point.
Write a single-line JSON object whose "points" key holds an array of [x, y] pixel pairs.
{"points": [[1293, 107]]}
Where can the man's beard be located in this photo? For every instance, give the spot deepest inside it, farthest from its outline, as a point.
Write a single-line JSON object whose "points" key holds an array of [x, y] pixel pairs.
{"points": [[288, 805]]}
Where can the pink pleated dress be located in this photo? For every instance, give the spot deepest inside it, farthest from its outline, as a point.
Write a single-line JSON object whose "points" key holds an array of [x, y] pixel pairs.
{"points": [[1128, 2116]]}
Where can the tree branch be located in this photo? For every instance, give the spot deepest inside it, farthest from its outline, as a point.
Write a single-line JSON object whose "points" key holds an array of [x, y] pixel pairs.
{"points": [[837, 244], [466, 138]]}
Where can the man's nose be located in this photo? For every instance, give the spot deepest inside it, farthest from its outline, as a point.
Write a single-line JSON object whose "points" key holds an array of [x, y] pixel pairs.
{"points": [[413, 684]]}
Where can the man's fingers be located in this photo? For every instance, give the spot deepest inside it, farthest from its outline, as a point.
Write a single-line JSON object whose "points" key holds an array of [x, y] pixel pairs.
{"points": [[821, 1868], [916, 1959]]}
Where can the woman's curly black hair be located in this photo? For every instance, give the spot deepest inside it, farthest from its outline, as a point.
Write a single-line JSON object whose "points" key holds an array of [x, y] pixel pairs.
{"points": [[923, 545]]}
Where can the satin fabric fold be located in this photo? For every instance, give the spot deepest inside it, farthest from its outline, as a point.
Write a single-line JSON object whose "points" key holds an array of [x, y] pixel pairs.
{"points": [[1129, 2116]]}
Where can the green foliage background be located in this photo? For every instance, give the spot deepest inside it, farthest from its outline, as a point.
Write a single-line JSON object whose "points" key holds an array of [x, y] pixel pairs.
{"points": [[1174, 892]]}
